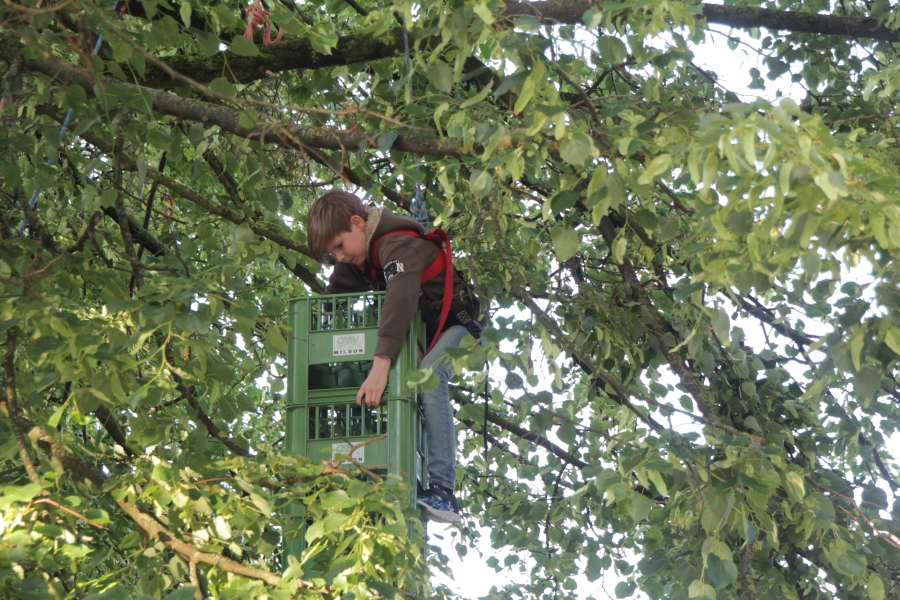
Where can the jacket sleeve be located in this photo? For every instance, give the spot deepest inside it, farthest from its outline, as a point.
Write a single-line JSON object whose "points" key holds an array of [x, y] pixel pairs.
{"points": [[403, 259]]}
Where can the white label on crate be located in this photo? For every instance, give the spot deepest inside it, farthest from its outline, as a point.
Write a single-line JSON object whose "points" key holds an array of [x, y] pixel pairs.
{"points": [[346, 345], [358, 456]]}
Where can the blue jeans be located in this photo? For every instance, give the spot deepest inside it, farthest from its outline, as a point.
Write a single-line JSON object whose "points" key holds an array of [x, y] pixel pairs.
{"points": [[439, 425]]}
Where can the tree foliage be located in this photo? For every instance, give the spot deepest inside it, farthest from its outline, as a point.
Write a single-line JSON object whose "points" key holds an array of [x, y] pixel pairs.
{"points": [[710, 283]]}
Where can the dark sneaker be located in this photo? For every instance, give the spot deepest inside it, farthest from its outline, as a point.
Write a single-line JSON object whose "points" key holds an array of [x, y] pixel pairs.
{"points": [[438, 504]]}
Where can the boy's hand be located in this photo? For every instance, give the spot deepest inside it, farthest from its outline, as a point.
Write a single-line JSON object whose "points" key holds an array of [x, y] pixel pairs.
{"points": [[373, 387]]}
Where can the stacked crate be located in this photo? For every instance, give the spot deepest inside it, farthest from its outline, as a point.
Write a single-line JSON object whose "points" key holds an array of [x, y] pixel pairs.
{"points": [[330, 354]]}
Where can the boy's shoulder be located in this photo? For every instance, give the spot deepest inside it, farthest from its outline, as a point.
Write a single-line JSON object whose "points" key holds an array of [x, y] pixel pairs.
{"points": [[383, 221]]}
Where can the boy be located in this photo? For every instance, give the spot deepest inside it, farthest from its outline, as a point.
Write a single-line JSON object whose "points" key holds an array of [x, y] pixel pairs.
{"points": [[341, 225]]}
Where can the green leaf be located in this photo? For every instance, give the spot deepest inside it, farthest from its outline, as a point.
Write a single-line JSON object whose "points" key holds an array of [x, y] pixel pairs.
{"points": [[892, 339], [721, 325], [243, 47], [722, 572], [686, 289], [185, 12], [565, 242], [832, 183], [21, 493], [322, 41], [484, 13], [529, 86], [261, 503], [53, 421], [856, 348], [481, 182], [659, 482], [440, 75], [477, 98], [426, 378], [875, 587], [576, 149], [851, 563], [640, 507], [386, 140], [76, 95], [740, 221], [185, 592], [612, 49], [617, 252], [276, 339], [592, 18], [701, 591], [795, 485], [657, 167], [624, 589], [122, 52], [646, 219]]}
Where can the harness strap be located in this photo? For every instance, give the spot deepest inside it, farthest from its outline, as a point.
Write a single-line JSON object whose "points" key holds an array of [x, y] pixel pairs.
{"points": [[442, 264]]}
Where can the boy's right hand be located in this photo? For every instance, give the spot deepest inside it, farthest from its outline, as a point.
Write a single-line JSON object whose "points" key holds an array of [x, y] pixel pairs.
{"points": [[373, 387]]}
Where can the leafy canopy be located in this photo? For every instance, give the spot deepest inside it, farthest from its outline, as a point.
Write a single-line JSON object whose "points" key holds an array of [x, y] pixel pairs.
{"points": [[665, 251]]}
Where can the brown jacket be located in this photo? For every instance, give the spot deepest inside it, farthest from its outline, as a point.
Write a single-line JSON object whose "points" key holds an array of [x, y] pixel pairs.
{"points": [[403, 259]]}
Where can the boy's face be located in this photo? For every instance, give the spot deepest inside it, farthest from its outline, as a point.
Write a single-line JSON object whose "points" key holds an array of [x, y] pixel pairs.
{"points": [[350, 246]]}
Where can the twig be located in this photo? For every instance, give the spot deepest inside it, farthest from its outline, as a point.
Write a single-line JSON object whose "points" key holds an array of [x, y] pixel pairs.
{"points": [[64, 508], [590, 105]]}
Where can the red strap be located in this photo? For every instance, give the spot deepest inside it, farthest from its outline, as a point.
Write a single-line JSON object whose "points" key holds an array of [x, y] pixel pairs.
{"points": [[442, 264], [448, 284]]}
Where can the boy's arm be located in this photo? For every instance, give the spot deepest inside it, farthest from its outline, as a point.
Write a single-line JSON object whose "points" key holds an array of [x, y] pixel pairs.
{"points": [[403, 258], [346, 279]]}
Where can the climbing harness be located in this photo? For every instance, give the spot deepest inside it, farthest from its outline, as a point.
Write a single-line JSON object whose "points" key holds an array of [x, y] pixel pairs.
{"points": [[442, 264]]}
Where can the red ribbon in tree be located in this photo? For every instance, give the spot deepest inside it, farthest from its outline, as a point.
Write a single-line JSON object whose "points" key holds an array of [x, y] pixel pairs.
{"points": [[256, 17]]}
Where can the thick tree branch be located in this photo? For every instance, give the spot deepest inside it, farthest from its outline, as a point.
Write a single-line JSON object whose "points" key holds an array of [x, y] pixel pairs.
{"points": [[294, 53], [138, 234], [113, 428], [745, 567], [229, 120], [744, 17]]}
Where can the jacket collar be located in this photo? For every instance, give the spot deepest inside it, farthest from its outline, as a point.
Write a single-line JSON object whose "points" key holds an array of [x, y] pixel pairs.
{"points": [[372, 223]]}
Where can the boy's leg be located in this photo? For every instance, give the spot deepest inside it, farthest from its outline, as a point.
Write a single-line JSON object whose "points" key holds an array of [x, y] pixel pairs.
{"points": [[439, 424]]}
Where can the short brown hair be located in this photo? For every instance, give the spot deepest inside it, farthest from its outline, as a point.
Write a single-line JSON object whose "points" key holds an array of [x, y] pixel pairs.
{"points": [[329, 216]]}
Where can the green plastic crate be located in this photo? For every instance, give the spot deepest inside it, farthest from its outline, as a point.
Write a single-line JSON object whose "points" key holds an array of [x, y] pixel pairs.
{"points": [[330, 351]]}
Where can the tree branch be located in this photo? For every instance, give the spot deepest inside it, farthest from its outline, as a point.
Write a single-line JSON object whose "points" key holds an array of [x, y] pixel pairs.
{"points": [[746, 570], [11, 409], [121, 214], [145, 238], [207, 204], [293, 137], [148, 523], [660, 326], [297, 53], [530, 436]]}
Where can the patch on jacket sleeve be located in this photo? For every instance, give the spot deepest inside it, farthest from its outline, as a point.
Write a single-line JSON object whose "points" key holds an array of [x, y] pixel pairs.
{"points": [[392, 269]]}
